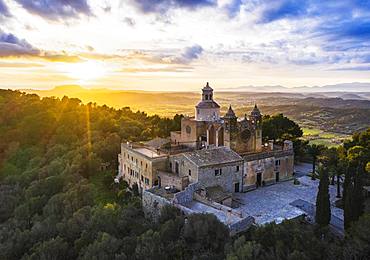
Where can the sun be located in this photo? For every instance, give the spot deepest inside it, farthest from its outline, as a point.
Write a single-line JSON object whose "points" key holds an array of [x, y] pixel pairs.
{"points": [[85, 71]]}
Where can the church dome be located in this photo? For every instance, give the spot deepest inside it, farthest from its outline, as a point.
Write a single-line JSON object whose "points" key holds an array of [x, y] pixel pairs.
{"points": [[207, 109], [207, 104], [207, 87]]}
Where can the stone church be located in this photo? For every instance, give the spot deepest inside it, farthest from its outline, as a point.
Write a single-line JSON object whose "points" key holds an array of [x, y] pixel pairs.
{"points": [[209, 129], [208, 160]]}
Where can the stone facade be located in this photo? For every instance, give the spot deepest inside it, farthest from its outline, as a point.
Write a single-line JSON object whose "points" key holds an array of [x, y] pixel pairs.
{"points": [[139, 165], [209, 153], [259, 165]]}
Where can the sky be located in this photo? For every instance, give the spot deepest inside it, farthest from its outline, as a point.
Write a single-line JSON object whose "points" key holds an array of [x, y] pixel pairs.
{"points": [[181, 44]]}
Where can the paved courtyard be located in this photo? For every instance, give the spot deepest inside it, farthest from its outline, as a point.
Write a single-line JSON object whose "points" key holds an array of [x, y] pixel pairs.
{"points": [[286, 201], [221, 215]]}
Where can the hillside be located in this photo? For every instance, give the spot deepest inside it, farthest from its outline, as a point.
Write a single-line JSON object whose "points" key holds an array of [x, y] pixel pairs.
{"points": [[313, 110]]}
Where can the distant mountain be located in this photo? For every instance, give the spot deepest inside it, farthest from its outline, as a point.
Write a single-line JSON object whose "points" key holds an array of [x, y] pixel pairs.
{"points": [[341, 112], [344, 87], [351, 96]]}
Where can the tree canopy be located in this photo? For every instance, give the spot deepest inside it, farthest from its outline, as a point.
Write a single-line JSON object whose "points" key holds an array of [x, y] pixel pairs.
{"points": [[58, 199]]}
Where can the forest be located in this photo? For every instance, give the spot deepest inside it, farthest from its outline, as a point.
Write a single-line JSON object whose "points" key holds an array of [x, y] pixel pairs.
{"points": [[58, 158]]}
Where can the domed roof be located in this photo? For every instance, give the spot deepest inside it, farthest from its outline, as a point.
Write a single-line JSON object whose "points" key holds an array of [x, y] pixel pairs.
{"points": [[207, 87], [207, 104], [230, 113]]}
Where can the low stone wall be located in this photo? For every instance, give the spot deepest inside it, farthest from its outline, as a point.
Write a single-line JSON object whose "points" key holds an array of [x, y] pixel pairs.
{"points": [[184, 209], [249, 187], [217, 206], [286, 178], [153, 204], [241, 225], [269, 182], [186, 196]]}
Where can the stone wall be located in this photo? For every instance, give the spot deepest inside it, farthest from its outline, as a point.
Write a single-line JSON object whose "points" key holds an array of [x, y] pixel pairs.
{"points": [[218, 206], [173, 180], [153, 204], [241, 225], [184, 167], [227, 179], [268, 168], [186, 196]]}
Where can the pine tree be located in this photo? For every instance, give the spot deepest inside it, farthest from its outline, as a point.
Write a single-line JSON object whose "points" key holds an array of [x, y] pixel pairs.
{"points": [[314, 151], [323, 212]]}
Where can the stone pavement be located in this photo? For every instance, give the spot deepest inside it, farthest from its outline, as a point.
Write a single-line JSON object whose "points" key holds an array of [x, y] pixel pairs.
{"points": [[286, 201]]}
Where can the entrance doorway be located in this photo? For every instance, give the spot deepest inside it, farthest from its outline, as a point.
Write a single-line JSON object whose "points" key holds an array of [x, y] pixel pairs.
{"points": [[277, 176], [236, 187], [259, 179], [177, 167]]}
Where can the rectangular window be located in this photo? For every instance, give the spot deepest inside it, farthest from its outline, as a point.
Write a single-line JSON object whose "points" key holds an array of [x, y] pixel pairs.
{"points": [[189, 172], [237, 168], [218, 172]]}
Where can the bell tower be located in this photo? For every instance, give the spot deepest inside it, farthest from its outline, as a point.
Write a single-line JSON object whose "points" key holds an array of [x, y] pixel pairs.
{"points": [[207, 93], [207, 109], [256, 119]]}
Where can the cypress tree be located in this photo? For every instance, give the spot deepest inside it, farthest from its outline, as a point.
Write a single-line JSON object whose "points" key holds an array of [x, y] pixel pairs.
{"points": [[348, 200], [358, 199], [323, 212]]}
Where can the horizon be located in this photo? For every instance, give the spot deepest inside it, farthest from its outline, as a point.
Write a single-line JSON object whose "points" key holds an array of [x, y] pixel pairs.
{"points": [[346, 88], [176, 44]]}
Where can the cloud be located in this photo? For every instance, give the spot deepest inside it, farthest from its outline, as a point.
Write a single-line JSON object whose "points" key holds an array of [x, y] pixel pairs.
{"points": [[19, 65], [354, 68], [358, 29], [4, 11], [191, 53], [129, 21], [60, 57], [187, 55], [12, 46], [158, 69], [233, 7], [56, 9], [162, 6], [276, 10]]}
